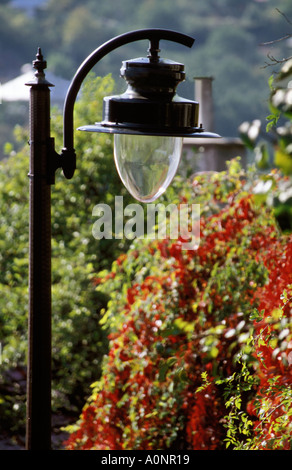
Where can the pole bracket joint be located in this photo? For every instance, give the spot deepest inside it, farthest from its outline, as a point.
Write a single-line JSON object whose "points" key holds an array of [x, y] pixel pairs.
{"points": [[66, 161], [53, 161]]}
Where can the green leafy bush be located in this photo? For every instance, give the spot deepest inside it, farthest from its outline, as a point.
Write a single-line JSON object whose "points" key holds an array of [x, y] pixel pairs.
{"points": [[272, 147]]}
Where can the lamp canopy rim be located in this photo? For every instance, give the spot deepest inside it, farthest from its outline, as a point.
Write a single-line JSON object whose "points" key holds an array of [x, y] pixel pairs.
{"points": [[194, 132]]}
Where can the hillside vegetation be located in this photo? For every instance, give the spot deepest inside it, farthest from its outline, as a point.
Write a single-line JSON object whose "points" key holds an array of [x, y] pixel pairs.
{"points": [[228, 44]]}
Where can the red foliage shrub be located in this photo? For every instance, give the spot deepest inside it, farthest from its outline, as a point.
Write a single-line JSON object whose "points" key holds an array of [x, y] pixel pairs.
{"points": [[178, 319], [273, 348]]}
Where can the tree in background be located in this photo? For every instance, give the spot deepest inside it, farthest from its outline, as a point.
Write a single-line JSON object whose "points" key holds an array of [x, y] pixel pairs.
{"points": [[227, 47], [272, 146]]}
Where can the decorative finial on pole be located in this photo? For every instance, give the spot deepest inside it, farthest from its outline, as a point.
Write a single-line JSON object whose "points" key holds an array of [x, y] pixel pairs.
{"points": [[39, 64]]}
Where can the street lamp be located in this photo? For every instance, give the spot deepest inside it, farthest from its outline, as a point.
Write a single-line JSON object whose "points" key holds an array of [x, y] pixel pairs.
{"points": [[149, 121]]}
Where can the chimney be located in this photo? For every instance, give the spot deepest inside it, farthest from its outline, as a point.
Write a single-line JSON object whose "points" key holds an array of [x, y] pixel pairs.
{"points": [[203, 94]]}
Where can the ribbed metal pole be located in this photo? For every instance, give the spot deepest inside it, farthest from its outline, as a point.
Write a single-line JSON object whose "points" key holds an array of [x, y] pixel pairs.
{"points": [[38, 430]]}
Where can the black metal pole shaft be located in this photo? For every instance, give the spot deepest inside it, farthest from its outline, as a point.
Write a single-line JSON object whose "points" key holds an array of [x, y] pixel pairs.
{"points": [[38, 431]]}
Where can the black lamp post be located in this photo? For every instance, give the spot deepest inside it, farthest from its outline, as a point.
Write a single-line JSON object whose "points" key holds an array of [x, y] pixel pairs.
{"points": [[147, 115]]}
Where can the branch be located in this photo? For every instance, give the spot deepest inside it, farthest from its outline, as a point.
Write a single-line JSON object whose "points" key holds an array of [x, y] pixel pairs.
{"points": [[288, 36], [285, 16], [275, 61]]}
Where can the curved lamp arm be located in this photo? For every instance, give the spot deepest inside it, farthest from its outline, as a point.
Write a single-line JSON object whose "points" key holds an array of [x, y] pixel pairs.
{"points": [[68, 161]]}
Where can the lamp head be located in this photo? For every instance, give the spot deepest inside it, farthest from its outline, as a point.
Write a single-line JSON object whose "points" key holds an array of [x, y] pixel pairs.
{"points": [[149, 121]]}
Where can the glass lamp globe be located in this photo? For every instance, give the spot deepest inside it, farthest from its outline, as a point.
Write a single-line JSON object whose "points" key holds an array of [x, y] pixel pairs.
{"points": [[147, 164]]}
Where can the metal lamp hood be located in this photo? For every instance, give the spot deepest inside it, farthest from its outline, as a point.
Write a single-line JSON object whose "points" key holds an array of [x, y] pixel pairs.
{"points": [[150, 105]]}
